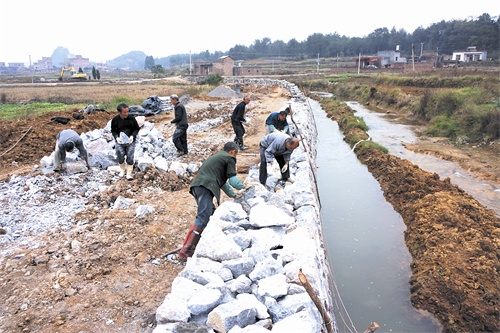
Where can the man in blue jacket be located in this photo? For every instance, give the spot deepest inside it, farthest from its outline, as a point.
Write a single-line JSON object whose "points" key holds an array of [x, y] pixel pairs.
{"points": [[277, 122], [216, 173]]}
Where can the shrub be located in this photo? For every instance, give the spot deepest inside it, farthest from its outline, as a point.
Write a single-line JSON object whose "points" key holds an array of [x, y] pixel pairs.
{"points": [[370, 144], [442, 126], [348, 121], [214, 79]]}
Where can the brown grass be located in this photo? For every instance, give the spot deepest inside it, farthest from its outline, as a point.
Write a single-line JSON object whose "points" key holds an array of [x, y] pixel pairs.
{"points": [[101, 93]]}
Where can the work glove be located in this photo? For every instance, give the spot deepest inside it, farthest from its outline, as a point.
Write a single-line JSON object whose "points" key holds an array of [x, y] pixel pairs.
{"points": [[284, 168], [131, 139], [119, 140]]}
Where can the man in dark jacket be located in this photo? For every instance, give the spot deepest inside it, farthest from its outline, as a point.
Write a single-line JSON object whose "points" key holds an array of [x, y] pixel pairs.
{"points": [[124, 128], [67, 140], [181, 120], [277, 146], [216, 173], [277, 122], [237, 120]]}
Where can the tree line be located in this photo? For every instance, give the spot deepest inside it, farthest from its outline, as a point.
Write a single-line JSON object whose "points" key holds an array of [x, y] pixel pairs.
{"points": [[444, 37]]}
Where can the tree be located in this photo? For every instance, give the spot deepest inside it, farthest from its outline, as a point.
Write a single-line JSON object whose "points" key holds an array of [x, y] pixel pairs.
{"points": [[149, 62], [98, 74], [157, 70], [94, 74]]}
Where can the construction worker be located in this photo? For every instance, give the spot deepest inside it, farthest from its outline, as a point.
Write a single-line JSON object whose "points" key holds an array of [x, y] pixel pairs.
{"points": [[216, 173], [67, 140], [237, 120], [277, 146], [277, 122], [181, 120], [124, 128]]}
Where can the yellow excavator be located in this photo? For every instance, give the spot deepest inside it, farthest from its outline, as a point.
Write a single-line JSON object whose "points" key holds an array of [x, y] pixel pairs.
{"points": [[74, 74]]}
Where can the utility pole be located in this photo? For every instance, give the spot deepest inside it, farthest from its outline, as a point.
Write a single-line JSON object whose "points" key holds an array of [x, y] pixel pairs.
{"points": [[31, 70], [190, 68], [413, 55], [359, 62]]}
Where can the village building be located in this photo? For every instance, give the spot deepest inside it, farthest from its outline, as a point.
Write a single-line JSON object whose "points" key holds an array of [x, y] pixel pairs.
{"points": [[368, 62], [78, 62], [471, 54], [391, 57], [43, 65], [17, 65], [224, 66]]}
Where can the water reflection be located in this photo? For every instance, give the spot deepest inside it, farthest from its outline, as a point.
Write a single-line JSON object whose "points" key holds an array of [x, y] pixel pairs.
{"points": [[364, 239]]}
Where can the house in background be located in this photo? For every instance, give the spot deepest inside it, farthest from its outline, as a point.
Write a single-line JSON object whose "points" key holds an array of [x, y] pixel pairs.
{"points": [[368, 62], [391, 57], [224, 66], [78, 62], [43, 65], [472, 54]]}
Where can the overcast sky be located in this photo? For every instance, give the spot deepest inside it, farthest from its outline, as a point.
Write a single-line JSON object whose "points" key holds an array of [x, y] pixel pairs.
{"points": [[102, 30]]}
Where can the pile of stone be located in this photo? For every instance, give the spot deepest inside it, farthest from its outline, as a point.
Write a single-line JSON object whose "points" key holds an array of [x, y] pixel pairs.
{"points": [[244, 275]]}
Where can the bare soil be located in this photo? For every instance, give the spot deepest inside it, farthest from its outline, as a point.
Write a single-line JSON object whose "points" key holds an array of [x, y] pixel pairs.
{"points": [[111, 284]]}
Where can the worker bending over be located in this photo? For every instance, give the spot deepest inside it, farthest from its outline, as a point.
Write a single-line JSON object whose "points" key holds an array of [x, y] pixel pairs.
{"points": [[216, 173], [277, 122], [277, 146], [66, 141]]}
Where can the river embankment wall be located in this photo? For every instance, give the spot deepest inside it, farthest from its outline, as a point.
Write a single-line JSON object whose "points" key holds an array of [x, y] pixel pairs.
{"points": [[261, 264]]}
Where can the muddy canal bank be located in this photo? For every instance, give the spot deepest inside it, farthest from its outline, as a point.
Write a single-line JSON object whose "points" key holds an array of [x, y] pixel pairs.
{"points": [[452, 238]]}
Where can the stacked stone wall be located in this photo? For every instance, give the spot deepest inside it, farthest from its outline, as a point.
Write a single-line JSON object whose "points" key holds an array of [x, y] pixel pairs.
{"points": [[244, 275]]}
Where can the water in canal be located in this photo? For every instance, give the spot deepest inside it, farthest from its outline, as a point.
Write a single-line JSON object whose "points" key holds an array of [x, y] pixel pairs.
{"points": [[392, 136], [365, 242]]}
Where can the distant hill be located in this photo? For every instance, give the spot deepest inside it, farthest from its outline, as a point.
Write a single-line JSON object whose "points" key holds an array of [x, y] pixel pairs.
{"points": [[133, 61]]}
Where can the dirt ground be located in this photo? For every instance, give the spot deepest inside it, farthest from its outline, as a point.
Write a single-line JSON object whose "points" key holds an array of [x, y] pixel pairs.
{"points": [[112, 284]]}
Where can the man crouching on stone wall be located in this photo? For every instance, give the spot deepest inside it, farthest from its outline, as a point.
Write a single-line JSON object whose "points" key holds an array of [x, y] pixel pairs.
{"points": [[216, 173], [124, 128]]}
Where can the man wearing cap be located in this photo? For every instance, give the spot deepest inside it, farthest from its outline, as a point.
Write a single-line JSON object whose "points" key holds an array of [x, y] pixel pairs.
{"points": [[67, 140], [181, 120], [124, 128], [277, 146], [237, 120]]}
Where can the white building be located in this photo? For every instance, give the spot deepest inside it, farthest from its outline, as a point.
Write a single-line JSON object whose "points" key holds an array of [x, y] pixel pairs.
{"points": [[470, 55], [391, 57]]}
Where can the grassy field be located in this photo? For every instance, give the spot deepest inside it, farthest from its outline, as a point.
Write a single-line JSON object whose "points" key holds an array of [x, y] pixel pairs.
{"points": [[24, 101], [460, 103]]}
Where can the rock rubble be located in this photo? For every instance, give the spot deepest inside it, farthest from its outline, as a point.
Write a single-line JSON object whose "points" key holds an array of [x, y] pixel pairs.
{"points": [[243, 276]]}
